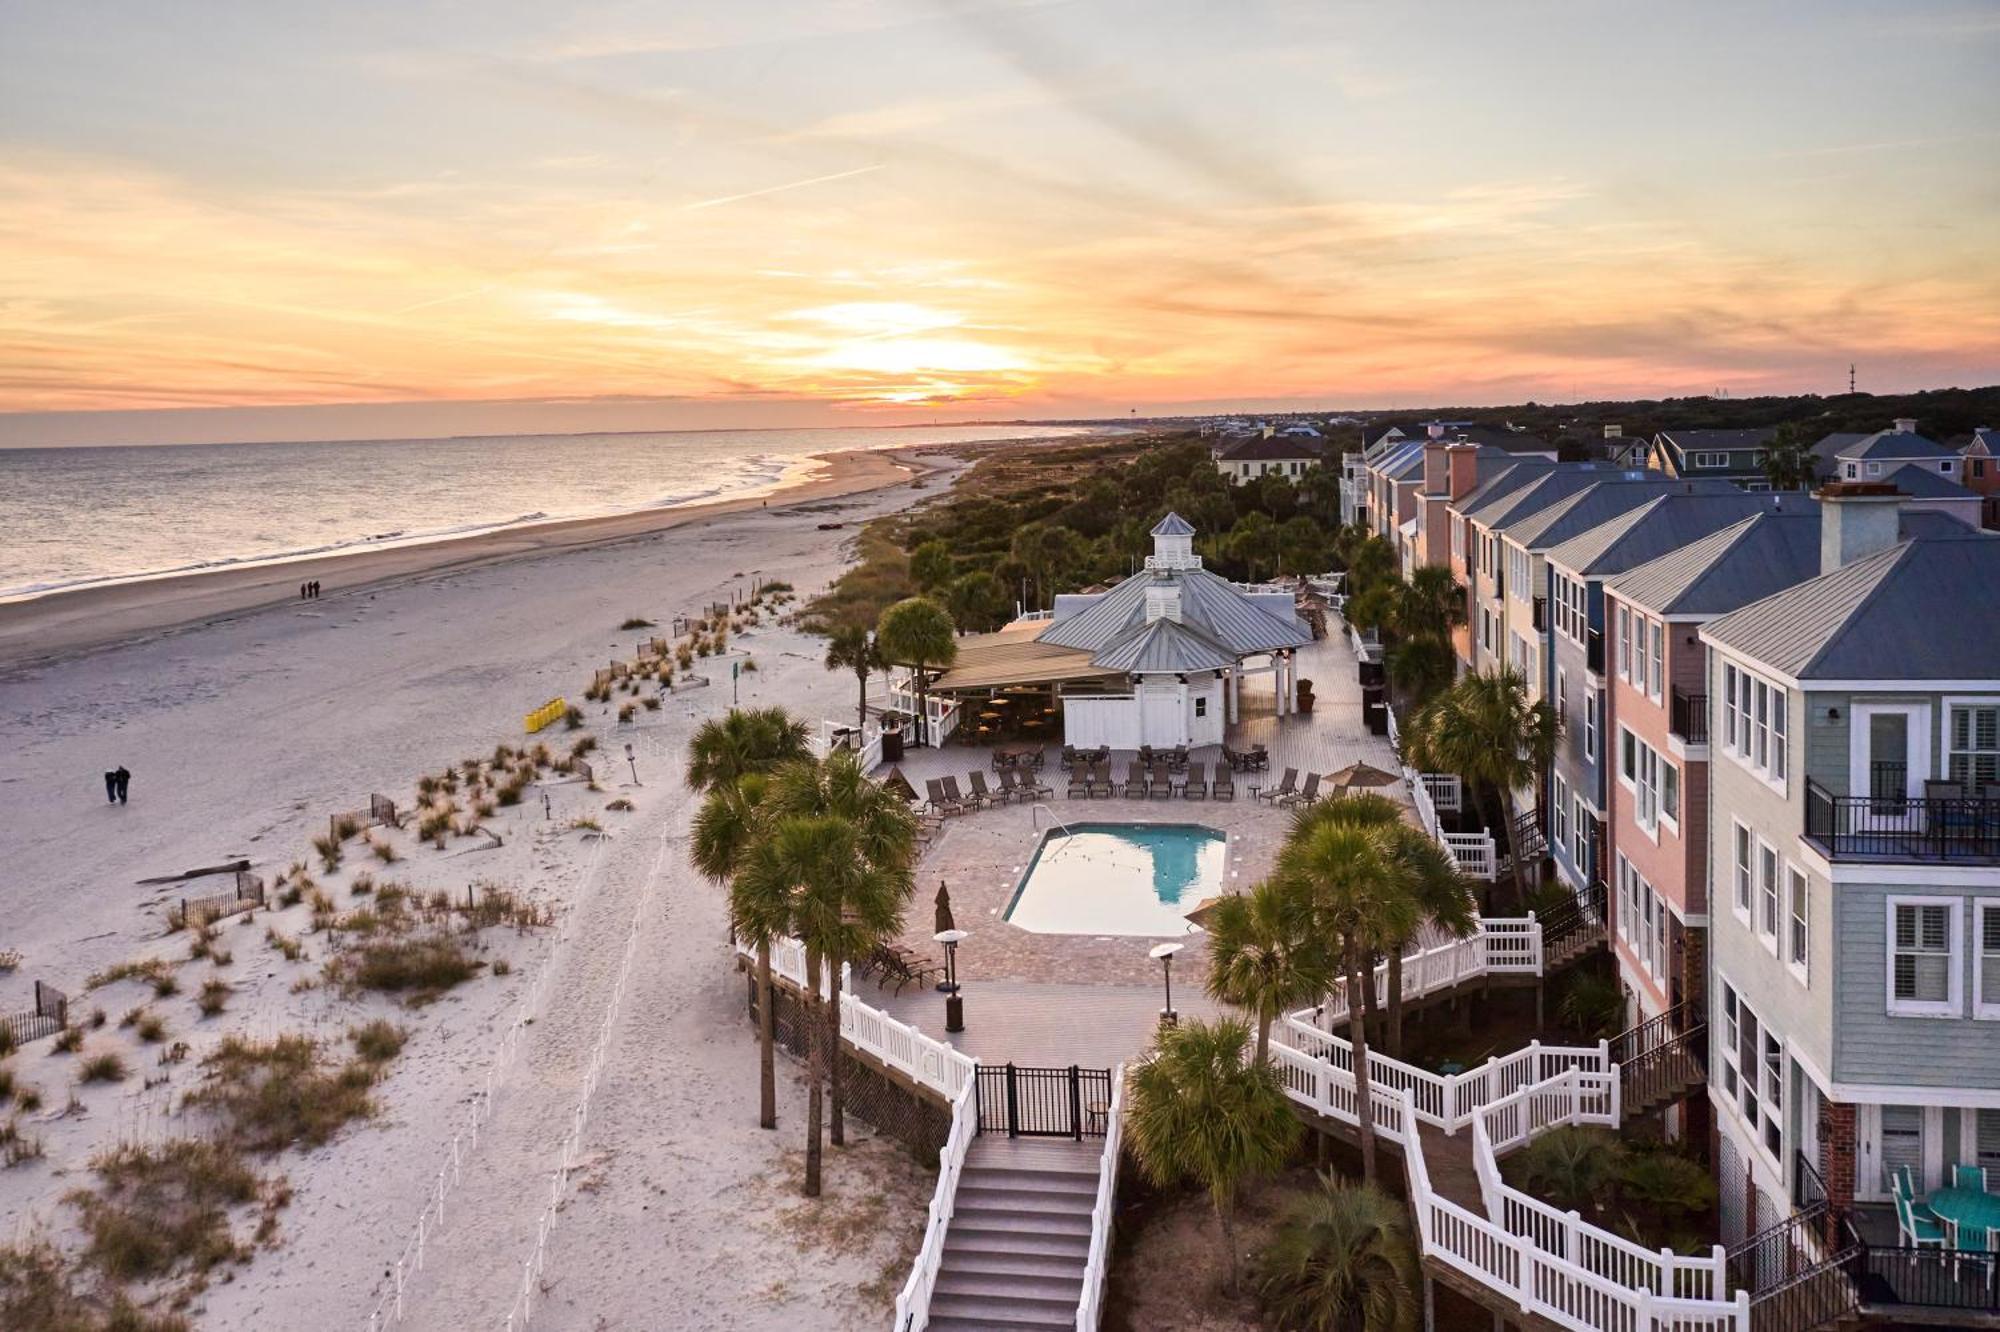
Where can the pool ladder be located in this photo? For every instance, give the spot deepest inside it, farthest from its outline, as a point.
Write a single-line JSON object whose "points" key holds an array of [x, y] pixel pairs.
{"points": [[1035, 823]]}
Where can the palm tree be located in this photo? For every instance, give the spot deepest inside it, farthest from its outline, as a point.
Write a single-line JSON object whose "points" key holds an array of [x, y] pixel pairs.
{"points": [[746, 740], [724, 828], [851, 648], [834, 902], [1430, 605], [1443, 898], [1421, 667], [918, 633], [1486, 729], [1788, 459], [1262, 955], [1198, 1113], [885, 837], [1341, 1261], [1254, 541], [1359, 902]]}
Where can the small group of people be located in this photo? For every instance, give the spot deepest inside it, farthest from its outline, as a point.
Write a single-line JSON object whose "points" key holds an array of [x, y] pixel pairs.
{"points": [[309, 591], [117, 784]]}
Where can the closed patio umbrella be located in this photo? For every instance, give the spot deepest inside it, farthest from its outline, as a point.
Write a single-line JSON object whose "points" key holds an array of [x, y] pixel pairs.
{"points": [[944, 921]]}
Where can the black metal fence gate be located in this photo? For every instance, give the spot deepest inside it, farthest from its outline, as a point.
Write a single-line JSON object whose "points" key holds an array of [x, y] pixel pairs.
{"points": [[1022, 1102]]}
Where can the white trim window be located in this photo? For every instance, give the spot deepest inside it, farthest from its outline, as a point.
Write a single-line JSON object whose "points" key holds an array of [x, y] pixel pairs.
{"points": [[1658, 683], [1655, 783], [1562, 696], [1798, 939], [1670, 794], [1742, 843], [1986, 962], [1580, 850], [1768, 890], [1753, 1072], [1560, 812], [1518, 586], [1624, 643], [1972, 753], [1924, 962], [1754, 723], [1590, 706], [1571, 606], [1626, 906]]}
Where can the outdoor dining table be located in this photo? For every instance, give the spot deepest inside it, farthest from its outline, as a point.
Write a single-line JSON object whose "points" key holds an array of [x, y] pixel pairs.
{"points": [[1968, 1209]]}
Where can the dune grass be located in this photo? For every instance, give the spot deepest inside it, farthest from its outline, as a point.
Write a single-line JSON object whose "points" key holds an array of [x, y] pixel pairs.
{"points": [[106, 1067], [39, 1289], [270, 1095], [159, 1210]]}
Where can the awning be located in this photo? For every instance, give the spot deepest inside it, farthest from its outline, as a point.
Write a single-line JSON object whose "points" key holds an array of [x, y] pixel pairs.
{"points": [[1013, 656]]}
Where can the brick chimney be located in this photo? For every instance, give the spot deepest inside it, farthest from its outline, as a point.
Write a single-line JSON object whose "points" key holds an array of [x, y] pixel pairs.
{"points": [[1462, 462], [1435, 471], [1857, 518]]}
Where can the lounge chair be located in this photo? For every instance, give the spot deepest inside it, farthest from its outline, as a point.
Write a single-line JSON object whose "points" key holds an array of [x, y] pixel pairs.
{"points": [[1146, 756], [1079, 781], [1225, 785], [1100, 781], [1028, 785], [1234, 758], [1068, 757], [1135, 782], [1177, 758], [1196, 785], [1010, 786], [1162, 781], [952, 792], [1285, 787], [940, 802], [1306, 795], [903, 968], [984, 794]]}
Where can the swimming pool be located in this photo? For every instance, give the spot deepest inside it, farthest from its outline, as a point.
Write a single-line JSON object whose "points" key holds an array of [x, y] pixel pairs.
{"points": [[1119, 878]]}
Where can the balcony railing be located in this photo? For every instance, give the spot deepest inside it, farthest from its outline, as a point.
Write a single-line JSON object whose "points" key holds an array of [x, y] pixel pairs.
{"points": [[1898, 827], [1690, 717]]}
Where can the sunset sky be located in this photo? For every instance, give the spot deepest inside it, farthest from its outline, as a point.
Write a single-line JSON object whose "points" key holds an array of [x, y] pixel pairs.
{"points": [[848, 211]]}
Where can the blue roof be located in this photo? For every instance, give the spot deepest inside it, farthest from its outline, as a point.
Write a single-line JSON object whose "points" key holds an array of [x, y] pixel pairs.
{"points": [[1173, 525]]}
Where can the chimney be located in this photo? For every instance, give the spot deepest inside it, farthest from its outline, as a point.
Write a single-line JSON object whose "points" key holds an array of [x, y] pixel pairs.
{"points": [[1435, 430], [1614, 432], [1906, 425], [1857, 518], [1435, 472], [1462, 463]]}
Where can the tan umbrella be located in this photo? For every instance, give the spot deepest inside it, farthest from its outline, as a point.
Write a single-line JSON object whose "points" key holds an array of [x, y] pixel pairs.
{"points": [[1362, 774], [900, 784], [1202, 911]]}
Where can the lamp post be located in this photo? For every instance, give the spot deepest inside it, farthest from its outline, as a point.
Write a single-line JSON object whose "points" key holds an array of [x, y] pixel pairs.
{"points": [[632, 759], [1165, 952], [954, 1005]]}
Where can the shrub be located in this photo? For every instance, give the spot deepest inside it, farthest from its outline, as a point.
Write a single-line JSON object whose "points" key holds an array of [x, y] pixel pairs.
{"points": [[214, 997], [97, 1018], [18, 1146], [493, 905], [434, 828], [585, 824], [419, 968], [573, 718], [291, 895], [1594, 1004], [503, 967], [484, 809], [363, 885], [202, 941], [106, 1067], [274, 1094], [345, 827], [383, 851], [626, 712], [149, 969], [132, 1015], [6, 1083], [619, 806], [152, 1029], [291, 948], [651, 702], [39, 1290], [583, 745], [156, 1210], [1340, 1258], [69, 1041], [329, 852], [29, 1099], [636, 622], [7, 1042], [378, 1042]]}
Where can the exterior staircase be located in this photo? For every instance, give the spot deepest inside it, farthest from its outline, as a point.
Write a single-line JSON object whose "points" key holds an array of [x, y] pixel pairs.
{"points": [[1019, 1238], [1660, 1060]]}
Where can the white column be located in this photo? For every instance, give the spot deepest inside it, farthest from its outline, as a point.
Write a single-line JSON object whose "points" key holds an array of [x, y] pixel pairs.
{"points": [[1278, 681], [1236, 692]]}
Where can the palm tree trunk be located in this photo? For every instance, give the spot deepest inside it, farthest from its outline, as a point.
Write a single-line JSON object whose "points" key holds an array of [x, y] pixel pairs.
{"points": [[1480, 797], [1224, 1214], [767, 1042], [1396, 1001], [836, 1125], [861, 708], [1357, 1036], [1263, 1036], [815, 1073]]}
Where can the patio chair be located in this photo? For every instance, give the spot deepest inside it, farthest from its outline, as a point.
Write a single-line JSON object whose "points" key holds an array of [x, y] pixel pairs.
{"points": [[1019, 786], [1177, 758], [1286, 785], [1901, 1180], [1260, 759], [1079, 781], [1161, 782], [1068, 757], [1968, 1177], [1100, 781], [1028, 785], [1196, 785], [940, 802], [1225, 785], [1232, 758], [982, 793], [905, 968], [1135, 782], [1146, 756], [1305, 795], [964, 801]]}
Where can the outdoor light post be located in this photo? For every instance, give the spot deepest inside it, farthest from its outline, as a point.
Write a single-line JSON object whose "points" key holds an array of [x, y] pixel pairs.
{"points": [[1165, 952], [632, 759], [954, 1005]]}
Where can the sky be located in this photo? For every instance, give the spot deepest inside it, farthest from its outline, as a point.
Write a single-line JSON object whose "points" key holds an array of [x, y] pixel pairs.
{"points": [[301, 220]]}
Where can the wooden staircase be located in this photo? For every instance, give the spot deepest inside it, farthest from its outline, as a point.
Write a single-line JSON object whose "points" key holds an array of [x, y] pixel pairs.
{"points": [[1661, 1060], [1575, 928], [1019, 1238]]}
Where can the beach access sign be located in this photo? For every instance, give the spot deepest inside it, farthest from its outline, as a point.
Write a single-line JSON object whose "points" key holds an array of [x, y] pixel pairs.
{"points": [[546, 715]]}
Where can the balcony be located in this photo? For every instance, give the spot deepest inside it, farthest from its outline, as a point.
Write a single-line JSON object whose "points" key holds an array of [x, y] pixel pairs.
{"points": [[1594, 652], [1897, 828], [1541, 615], [1689, 717]]}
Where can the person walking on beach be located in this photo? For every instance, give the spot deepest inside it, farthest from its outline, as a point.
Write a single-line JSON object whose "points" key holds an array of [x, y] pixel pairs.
{"points": [[124, 779], [111, 788]]}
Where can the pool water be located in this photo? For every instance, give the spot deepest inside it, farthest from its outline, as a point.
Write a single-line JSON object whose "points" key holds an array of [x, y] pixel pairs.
{"points": [[1119, 878]]}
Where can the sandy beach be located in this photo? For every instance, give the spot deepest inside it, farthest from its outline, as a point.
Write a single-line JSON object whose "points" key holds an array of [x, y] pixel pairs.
{"points": [[256, 718]]}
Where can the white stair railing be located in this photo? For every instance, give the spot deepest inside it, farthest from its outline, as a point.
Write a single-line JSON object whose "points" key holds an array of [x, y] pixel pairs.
{"points": [[1090, 1305], [913, 1302]]}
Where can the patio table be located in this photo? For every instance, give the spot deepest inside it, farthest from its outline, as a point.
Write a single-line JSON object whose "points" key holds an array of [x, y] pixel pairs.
{"points": [[1973, 1209]]}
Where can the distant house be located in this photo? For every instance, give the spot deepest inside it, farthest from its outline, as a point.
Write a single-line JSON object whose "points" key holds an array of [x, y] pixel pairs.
{"points": [[1285, 454], [1873, 457], [1981, 472], [1730, 455], [1927, 489]]}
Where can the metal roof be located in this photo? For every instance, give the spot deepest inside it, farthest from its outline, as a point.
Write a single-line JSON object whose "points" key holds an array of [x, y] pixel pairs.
{"points": [[1664, 523], [1919, 610], [1164, 647], [1278, 448], [1551, 486], [1893, 444], [1600, 502], [1173, 525], [1749, 559], [1516, 473], [1923, 481], [1713, 441], [1210, 604]]}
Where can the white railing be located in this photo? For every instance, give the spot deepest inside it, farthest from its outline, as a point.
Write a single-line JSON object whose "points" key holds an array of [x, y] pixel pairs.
{"points": [[941, 712], [864, 742], [930, 1063], [1507, 944], [1550, 1263], [1445, 789], [1475, 853], [1031, 615], [1090, 1305], [913, 1302]]}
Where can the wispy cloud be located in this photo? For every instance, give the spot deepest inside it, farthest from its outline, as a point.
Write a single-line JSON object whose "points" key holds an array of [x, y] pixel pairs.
{"points": [[722, 199]]}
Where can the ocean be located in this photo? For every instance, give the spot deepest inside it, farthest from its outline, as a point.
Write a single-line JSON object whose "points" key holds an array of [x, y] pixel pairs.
{"points": [[72, 517]]}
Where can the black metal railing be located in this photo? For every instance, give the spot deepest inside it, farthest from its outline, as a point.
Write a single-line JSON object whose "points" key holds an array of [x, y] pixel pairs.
{"points": [[1022, 1102], [1689, 716], [1926, 1278], [1581, 917], [1593, 650], [1629, 1044], [1807, 1187], [1665, 1073], [1780, 1252], [1898, 827]]}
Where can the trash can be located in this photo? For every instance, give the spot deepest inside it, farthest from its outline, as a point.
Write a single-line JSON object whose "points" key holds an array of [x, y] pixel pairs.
{"points": [[892, 744], [1376, 713], [1371, 672]]}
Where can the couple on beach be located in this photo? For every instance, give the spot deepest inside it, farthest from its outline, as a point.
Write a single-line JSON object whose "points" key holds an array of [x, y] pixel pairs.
{"points": [[117, 783], [309, 591]]}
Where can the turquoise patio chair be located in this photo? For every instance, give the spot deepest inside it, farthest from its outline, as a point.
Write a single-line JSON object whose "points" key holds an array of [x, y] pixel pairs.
{"points": [[1971, 1244], [1922, 1233], [1904, 1182], [1968, 1177]]}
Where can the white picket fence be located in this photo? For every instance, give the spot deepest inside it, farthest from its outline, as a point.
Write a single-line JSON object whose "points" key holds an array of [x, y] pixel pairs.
{"points": [[1501, 945], [865, 742], [929, 1062], [1550, 1263], [1090, 1305]]}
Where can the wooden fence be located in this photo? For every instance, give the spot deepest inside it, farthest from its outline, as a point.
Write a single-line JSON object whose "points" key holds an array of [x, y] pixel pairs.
{"points": [[49, 1016], [246, 895], [381, 812]]}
